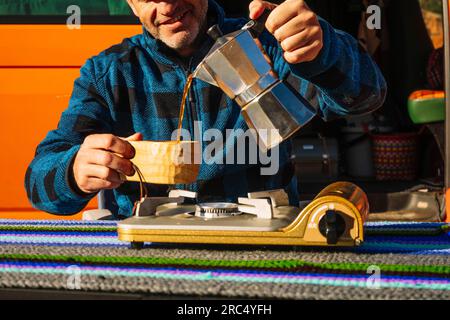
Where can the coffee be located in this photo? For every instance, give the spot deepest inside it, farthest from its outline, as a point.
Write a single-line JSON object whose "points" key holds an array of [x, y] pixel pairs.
{"points": [[183, 105]]}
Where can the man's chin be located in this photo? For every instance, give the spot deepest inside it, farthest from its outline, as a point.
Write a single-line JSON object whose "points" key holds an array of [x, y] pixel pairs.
{"points": [[179, 41]]}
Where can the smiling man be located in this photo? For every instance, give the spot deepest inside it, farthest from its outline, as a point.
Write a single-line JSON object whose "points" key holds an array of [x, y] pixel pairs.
{"points": [[176, 23], [132, 91]]}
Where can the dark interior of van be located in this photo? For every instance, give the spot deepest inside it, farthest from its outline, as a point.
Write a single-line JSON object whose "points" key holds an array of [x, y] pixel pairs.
{"points": [[353, 149]]}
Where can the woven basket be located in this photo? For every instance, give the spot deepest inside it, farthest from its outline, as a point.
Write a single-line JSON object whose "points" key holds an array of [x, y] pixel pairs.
{"points": [[395, 156]]}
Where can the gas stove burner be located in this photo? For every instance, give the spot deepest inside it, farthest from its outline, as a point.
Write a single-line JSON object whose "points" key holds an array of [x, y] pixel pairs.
{"points": [[216, 210], [262, 218]]}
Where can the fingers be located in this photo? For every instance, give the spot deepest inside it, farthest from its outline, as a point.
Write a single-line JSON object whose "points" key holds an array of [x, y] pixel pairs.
{"points": [[91, 184], [111, 143], [294, 42], [295, 27], [102, 173], [135, 137], [257, 7], [93, 178], [281, 15], [304, 54], [302, 39], [111, 161], [100, 184], [101, 160]]}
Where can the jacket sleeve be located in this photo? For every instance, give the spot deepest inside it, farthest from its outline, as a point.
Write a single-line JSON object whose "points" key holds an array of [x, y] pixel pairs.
{"points": [[48, 178], [343, 80]]}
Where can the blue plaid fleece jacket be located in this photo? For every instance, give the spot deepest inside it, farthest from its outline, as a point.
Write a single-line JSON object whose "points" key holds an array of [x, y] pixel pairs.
{"points": [[136, 86]]}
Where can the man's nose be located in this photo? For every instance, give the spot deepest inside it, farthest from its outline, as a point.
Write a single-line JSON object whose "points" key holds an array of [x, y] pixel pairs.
{"points": [[168, 7]]}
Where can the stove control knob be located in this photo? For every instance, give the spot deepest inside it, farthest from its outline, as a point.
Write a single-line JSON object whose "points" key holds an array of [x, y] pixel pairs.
{"points": [[332, 226]]}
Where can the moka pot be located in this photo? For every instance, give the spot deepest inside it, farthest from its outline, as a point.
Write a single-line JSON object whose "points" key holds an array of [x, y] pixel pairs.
{"points": [[237, 65]]}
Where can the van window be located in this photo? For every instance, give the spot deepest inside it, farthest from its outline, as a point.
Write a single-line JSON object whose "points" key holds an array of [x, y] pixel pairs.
{"points": [[58, 11]]}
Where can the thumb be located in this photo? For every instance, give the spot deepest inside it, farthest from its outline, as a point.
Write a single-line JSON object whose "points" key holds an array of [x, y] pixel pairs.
{"points": [[257, 8], [135, 137]]}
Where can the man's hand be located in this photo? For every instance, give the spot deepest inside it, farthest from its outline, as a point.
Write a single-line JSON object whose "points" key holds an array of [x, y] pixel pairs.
{"points": [[101, 159], [295, 26]]}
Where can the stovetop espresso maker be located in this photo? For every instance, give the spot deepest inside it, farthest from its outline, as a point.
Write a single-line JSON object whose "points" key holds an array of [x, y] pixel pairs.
{"points": [[237, 65]]}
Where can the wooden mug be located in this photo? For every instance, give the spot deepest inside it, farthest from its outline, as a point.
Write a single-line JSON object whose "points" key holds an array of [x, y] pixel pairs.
{"points": [[166, 162]]}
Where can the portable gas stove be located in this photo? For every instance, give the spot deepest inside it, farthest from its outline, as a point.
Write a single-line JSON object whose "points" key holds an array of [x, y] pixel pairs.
{"points": [[334, 218]]}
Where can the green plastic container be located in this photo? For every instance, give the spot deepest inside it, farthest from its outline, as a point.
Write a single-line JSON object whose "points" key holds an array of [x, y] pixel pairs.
{"points": [[426, 110]]}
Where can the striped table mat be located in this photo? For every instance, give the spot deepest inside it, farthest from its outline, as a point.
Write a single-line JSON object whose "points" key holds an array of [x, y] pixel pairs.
{"points": [[396, 261]]}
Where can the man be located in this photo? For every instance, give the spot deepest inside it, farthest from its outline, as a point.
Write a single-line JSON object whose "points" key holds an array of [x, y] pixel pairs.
{"points": [[132, 91]]}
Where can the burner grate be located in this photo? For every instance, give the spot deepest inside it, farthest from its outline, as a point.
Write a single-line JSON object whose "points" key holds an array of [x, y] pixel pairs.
{"points": [[216, 210]]}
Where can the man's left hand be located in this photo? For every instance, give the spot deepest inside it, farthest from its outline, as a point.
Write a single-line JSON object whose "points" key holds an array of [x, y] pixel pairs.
{"points": [[295, 26]]}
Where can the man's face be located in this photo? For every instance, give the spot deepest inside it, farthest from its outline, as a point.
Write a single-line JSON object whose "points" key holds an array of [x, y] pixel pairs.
{"points": [[177, 23]]}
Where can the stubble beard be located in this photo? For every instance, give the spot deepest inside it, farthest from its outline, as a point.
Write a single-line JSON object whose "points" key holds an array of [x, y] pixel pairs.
{"points": [[188, 38]]}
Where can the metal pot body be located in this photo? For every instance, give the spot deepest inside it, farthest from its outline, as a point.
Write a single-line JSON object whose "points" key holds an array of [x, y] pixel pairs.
{"points": [[271, 107]]}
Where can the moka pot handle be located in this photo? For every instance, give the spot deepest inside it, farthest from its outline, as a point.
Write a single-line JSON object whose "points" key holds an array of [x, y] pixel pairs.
{"points": [[257, 27]]}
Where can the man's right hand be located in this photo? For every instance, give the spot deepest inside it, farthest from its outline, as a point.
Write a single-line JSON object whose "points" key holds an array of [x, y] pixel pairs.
{"points": [[101, 159]]}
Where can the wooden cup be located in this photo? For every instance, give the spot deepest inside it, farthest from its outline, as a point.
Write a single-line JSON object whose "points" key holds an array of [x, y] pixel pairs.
{"points": [[166, 162]]}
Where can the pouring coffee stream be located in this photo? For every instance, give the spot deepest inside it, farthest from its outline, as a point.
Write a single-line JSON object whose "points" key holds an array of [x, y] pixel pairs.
{"points": [[183, 105]]}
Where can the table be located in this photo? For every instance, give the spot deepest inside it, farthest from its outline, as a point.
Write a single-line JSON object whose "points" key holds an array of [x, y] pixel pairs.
{"points": [[397, 261]]}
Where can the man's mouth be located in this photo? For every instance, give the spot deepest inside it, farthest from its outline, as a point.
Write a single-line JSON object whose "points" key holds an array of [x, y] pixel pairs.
{"points": [[175, 19]]}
